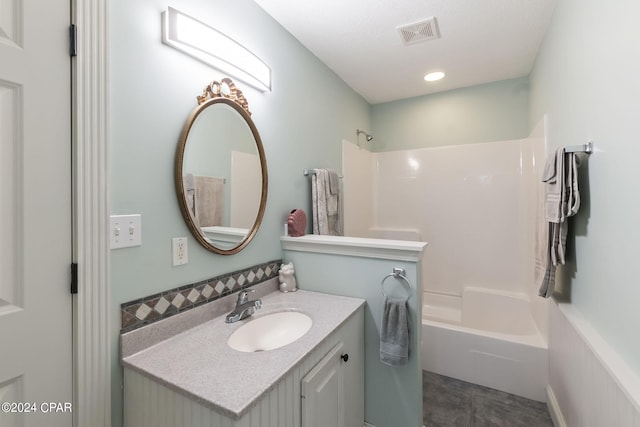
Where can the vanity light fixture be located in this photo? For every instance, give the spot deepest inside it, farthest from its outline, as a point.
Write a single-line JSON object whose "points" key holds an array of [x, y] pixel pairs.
{"points": [[210, 46], [435, 76]]}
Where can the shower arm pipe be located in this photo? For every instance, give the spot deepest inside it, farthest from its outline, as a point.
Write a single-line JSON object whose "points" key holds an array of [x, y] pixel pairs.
{"points": [[584, 148], [367, 136]]}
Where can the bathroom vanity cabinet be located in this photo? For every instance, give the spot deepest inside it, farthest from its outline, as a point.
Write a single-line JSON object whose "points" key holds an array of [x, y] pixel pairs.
{"points": [[325, 376], [324, 400]]}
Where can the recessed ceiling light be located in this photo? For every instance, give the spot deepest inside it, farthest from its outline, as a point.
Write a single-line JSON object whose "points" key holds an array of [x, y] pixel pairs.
{"points": [[432, 77]]}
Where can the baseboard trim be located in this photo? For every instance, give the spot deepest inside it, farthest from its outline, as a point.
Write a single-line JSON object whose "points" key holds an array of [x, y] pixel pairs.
{"points": [[554, 409]]}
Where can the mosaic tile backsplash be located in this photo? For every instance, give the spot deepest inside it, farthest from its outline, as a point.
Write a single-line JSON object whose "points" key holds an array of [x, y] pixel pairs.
{"points": [[153, 308]]}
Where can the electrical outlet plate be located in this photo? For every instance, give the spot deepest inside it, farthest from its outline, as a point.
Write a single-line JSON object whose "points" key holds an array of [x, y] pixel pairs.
{"points": [[125, 231], [180, 251]]}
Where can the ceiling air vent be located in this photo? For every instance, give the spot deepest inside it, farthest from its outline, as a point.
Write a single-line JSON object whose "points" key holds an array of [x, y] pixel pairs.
{"points": [[419, 31]]}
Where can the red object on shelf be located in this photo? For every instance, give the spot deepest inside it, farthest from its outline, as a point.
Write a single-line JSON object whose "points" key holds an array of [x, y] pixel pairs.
{"points": [[297, 223]]}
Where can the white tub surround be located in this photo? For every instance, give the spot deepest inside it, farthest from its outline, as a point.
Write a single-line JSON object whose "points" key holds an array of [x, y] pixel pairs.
{"points": [[497, 312], [477, 204], [409, 234], [490, 338], [198, 363], [470, 202]]}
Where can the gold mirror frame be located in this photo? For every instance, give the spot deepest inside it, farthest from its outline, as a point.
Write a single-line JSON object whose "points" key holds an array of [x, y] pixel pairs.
{"points": [[223, 92]]}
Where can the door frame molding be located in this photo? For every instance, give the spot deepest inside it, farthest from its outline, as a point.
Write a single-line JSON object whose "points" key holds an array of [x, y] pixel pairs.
{"points": [[90, 148]]}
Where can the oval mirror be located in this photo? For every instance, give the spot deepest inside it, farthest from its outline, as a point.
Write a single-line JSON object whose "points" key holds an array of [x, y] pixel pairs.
{"points": [[221, 171]]}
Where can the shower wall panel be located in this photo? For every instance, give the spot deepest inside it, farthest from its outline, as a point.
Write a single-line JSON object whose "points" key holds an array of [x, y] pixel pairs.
{"points": [[470, 202], [357, 182]]}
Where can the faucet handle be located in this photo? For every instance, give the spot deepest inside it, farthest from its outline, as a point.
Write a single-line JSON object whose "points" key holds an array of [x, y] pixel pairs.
{"points": [[243, 296]]}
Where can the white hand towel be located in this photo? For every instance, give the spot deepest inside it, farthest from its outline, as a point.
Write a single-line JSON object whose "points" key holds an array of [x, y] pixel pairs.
{"points": [[189, 185], [326, 206], [334, 182], [319, 203], [209, 200]]}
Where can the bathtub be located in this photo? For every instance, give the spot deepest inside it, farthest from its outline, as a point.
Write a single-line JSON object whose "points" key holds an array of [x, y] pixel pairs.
{"points": [[486, 337]]}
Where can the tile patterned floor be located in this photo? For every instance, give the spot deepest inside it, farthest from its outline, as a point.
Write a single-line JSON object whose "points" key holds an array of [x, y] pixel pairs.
{"points": [[453, 403]]}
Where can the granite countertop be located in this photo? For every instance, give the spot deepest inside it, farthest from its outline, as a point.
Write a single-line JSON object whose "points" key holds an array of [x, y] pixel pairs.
{"points": [[199, 364]]}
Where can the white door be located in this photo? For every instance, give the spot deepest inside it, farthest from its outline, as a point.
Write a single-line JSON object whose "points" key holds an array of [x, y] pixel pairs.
{"points": [[35, 214], [322, 392]]}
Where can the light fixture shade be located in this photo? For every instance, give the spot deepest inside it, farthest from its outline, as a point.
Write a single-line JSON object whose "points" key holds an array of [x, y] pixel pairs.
{"points": [[210, 46]]}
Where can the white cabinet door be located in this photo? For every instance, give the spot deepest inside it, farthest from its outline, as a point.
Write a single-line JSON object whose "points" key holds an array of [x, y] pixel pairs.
{"points": [[323, 392], [353, 370]]}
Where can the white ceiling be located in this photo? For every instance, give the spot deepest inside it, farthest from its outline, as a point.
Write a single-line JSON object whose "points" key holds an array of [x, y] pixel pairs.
{"points": [[481, 41]]}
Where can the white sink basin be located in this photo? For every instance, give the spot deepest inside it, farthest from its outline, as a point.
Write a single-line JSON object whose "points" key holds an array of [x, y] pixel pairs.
{"points": [[270, 331]]}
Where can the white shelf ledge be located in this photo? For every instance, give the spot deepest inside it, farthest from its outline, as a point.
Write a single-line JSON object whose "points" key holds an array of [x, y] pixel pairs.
{"points": [[399, 250]]}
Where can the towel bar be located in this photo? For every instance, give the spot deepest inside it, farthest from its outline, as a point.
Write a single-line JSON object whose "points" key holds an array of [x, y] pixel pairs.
{"points": [[584, 148], [398, 273], [307, 172]]}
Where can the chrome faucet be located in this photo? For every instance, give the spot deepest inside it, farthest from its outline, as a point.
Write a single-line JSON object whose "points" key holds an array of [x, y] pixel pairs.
{"points": [[244, 307]]}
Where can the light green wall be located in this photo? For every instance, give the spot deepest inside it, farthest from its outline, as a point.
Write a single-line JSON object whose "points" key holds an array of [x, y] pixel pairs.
{"points": [[393, 395], [490, 112], [153, 88], [303, 121], [588, 83]]}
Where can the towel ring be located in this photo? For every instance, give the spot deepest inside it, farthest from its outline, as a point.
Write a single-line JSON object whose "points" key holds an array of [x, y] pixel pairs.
{"points": [[398, 273]]}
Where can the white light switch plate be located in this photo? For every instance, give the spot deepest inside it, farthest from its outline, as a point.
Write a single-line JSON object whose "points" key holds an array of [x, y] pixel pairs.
{"points": [[125, 231]]}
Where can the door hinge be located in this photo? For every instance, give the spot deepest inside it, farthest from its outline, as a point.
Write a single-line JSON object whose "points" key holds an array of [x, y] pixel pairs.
{"points": [[73, 40], [74, 278]]}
